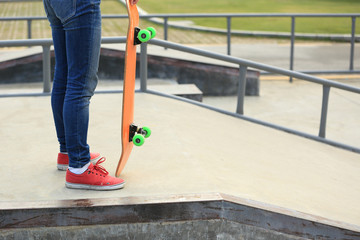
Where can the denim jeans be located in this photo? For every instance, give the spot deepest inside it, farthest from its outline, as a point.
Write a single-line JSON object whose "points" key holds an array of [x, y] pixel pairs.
{"points": [[76, 31]]}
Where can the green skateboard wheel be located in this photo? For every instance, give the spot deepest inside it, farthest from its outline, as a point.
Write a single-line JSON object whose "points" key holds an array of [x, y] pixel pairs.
{"points": [[147, 131], [138, 140], [144, 35], [152, 31]]}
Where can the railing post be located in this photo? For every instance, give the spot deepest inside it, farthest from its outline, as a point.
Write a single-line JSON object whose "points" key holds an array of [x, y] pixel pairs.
{"points": [[166, 29], [228, 35], [143, 67], [29, 21], [353, 23], [292, 45], [324, 110], [241, 90], [46, 68]]}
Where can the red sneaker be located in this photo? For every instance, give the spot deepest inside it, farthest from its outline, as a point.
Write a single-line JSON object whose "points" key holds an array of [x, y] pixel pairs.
{"points": [[94, 178], [63, 160]]}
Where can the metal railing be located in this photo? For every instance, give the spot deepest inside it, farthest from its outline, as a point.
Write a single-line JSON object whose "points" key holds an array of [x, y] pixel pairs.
{"points": [[293, 16], [243, 66]]}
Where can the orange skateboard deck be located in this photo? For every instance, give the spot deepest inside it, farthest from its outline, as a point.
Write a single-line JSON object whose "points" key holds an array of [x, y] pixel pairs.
{"points": [[130, 133]]}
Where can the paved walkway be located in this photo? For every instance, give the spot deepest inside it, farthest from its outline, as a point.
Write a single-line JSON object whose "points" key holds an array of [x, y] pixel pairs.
{"points": [[307, 56], [316, 56]]}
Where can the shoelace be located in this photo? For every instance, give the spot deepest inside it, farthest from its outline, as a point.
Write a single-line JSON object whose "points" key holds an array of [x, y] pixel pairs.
{"points": [[100, 168]]}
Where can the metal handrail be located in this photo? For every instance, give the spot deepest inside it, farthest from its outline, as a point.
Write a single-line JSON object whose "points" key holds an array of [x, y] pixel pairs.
{"points": [[203, 15], [229, 31], [243, 66], [252, 64]]}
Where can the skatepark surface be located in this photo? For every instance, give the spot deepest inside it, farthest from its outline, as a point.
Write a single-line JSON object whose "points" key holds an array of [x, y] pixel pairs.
{"points": [[195, 153], [191, 150]]}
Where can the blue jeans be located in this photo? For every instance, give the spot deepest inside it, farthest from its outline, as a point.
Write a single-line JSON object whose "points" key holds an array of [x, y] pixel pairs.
{"points": [[76, 31]]}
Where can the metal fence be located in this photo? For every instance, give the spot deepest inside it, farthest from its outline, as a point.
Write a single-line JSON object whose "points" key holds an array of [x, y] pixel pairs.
{"points": [[165, 21], [243, 66]]}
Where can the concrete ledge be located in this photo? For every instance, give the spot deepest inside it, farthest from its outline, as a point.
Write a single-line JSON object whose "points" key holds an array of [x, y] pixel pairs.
{"points": [[211, 79], [189, 91], [198, 229], [195, 216]]}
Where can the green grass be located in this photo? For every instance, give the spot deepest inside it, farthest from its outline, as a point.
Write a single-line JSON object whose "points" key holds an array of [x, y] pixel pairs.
{"points": [[246, 6], [116, 27], [313, 25], [41, 29]]}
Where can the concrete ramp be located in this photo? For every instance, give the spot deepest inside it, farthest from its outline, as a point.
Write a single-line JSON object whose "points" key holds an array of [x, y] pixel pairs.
{"points": [[189, 173]]}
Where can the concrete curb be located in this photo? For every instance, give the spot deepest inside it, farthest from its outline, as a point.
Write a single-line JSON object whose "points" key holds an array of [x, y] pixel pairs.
{"points": [[192, 214]]}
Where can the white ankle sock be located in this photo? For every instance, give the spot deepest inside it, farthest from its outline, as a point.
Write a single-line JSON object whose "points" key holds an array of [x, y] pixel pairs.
{"points": [[79, 170]]}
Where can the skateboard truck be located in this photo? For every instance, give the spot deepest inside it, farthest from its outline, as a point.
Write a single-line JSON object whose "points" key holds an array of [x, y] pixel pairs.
{"points": [[136, 40], [137, 135], [144, 35]]}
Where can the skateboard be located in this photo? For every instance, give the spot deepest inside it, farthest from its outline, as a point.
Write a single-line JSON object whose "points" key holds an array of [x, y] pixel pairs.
{"points": [[130, 133]]}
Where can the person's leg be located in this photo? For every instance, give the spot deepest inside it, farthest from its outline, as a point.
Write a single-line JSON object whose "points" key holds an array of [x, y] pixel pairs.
{"points": [[81, 21], [57, 12], [60, 73], [83, 39], [59, 85]]}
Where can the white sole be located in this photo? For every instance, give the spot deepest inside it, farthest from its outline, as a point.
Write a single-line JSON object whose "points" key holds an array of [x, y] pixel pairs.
{"points": [[94, 187], [62, 167]]}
